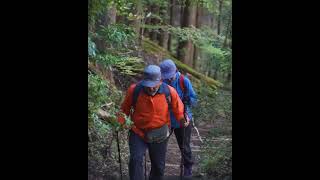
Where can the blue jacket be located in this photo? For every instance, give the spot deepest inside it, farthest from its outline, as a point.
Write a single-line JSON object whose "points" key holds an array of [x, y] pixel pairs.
{"points": [[189, 95]]}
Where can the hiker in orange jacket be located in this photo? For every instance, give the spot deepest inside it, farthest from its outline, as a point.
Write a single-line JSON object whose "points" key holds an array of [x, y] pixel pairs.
{"points": [[148, 104]]}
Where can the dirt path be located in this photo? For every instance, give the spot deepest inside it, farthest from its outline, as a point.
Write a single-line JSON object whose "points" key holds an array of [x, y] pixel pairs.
{"points": [[173, 157]]}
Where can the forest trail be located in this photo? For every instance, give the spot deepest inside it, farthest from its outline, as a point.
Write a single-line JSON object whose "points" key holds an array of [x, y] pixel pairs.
{"points": [[173, 156]]}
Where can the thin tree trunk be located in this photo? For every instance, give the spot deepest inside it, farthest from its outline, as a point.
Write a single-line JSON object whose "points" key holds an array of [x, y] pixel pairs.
{"points": [[175, 21], [109, 17], [154, 21], [164, 38], [186, 49], [219, 16], [227, 32], [171, 6], [215, 75], [146, 32], [196, 58], [229, 76], [164, 35], [138, 28]]}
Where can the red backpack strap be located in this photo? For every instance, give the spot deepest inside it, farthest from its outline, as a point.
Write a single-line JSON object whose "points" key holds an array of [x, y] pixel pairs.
{"points": [[181, 81]]}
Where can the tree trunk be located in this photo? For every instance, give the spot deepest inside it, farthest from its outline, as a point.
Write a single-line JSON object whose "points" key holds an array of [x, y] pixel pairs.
{"points": [[146, 32], [164, 35], [109, 17], [204, 18], [137, 25], [171, 5], [164, 38], [154, 21], [215, 75], [175, 13], [186, 49], [229, 76], [196, 55], [219, 17], [227, 32]]}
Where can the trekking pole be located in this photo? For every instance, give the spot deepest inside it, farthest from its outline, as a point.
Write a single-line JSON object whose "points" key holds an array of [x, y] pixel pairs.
{"points": [[145, 166], [194, 126], [119, 156], [182, 154]]}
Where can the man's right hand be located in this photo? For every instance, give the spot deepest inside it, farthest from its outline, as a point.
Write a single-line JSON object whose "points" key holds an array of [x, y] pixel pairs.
{"points": [[185, 122]]}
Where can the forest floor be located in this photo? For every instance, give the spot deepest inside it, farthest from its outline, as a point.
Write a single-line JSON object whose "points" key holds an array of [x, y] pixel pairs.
{"points": [[173, 156]]}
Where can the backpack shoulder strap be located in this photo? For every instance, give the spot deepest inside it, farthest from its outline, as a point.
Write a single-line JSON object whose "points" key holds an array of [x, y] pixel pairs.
{"points": [[136, 93], [167, 94], [183, 88], [181, 82], [139, 87]]}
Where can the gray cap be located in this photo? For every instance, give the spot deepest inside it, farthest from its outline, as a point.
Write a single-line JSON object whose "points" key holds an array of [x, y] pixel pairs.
{"points": [[152, 76], [168, 69]]}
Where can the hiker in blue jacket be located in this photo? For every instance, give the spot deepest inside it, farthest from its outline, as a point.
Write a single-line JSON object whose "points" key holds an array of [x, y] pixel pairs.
{"points": [[183, 86]]}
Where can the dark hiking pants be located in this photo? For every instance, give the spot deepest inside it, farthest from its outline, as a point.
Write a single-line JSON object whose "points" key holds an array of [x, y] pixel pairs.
{"points": [[157, 154], [188, 162]]}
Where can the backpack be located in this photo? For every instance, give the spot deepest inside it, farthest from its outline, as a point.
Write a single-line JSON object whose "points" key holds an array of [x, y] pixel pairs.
{"points": [[182, 86], [139, 87], [181, 82], [185, 99]]}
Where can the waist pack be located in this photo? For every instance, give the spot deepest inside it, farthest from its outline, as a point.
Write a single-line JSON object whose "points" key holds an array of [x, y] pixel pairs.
{"points": [[157, 135]]}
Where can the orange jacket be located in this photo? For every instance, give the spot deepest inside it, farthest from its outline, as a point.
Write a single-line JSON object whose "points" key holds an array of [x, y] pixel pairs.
{"points": [[151, 111]]}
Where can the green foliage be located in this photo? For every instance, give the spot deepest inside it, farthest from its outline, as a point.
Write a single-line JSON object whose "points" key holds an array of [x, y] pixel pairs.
{"points": [[91, 48], [97, 91], [226, 10], [117, 35], [101, 151], [162, 5], [196, 35], [216, 107], [130, 65], [213, 104], [209, 43], [127, 65], [107, 59], [210, 5], [213, 6], [124, 7], [96, 8], [219, 59], [203, 38], [226, 63], [101, 94], [217, 159], [205, 108]]}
